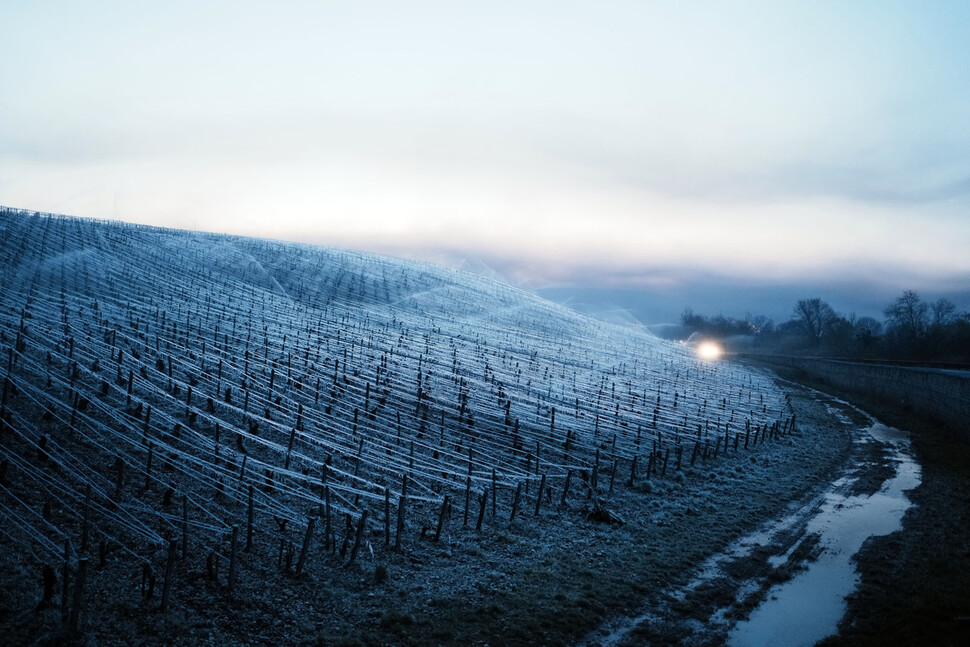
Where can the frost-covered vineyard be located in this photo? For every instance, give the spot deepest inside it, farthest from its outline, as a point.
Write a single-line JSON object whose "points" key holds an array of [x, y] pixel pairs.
{"points": [[171, 395]]}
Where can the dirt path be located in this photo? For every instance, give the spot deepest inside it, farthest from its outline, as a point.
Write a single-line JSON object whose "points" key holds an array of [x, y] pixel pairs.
{"points": [[915, 583], [769, 570]]}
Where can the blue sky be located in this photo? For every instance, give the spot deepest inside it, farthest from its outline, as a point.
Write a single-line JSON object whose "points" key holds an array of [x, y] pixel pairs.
{"points": [[622, 144]]}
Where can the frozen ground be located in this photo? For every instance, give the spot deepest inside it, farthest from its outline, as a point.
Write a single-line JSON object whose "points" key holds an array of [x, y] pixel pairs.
{"points": [[168, 386]]}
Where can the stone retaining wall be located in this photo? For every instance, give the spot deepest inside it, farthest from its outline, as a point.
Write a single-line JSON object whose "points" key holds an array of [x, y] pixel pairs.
{"points": [[939, 394]]}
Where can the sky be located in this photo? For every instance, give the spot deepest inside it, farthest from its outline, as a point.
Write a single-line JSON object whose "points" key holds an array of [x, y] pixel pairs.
{"points": [[720, 155]]}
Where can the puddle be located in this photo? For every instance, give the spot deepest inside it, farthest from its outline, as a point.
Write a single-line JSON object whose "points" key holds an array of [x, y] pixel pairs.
{"points": [[815, 539], [808, 607]]}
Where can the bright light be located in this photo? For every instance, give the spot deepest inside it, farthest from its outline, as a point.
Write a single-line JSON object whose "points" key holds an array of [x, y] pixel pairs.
{"points": [[709, 350]]}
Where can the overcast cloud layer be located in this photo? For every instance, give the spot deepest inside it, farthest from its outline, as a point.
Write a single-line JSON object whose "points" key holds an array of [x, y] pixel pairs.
{"points": [[625, 143]]}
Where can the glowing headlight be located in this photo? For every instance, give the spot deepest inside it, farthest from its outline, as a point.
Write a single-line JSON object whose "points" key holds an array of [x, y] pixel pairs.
{"points": [[709, 350]]}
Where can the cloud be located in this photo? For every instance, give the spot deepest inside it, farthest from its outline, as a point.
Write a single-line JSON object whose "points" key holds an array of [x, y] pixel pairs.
{"points": [[770, 141]]}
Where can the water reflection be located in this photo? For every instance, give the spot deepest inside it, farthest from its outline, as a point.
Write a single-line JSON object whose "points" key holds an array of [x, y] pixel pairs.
{"points": [[808, 607]]}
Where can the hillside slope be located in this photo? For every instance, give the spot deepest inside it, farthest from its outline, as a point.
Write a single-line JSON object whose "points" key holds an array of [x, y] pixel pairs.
{"points": [[210, 395]]}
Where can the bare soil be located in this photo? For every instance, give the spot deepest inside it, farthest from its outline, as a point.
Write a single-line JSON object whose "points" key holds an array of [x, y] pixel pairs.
{"points": [[549, 579]]}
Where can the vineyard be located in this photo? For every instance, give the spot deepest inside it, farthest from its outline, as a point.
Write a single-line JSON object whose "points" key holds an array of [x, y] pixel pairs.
{"points": [[185, 410]]}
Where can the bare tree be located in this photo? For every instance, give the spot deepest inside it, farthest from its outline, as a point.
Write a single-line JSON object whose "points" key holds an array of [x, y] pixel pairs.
{"points": [[907, 315], [813, 316], [867, 330], [943, 312]]}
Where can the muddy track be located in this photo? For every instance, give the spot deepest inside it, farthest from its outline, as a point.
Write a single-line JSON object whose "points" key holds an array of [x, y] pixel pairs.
{"points": [[716, 604]]}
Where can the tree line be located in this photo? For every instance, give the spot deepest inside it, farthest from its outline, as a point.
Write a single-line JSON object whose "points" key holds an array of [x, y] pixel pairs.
{"points": [[912, 329]]}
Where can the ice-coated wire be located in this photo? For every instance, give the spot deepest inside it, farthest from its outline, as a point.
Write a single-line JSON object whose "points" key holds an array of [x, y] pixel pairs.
{"points": [[267, 313]]}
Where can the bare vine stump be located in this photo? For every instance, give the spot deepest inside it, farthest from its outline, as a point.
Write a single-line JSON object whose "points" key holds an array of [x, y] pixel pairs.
{"points": [[441, 517], [148, 465], [233, 558], [359, 537], [400, 522], [82, 570], [49, 581], [306, 543], [65, 579], [87, 514], [185, 527], [249, 522], [387, 517], [515, 500], [170, 571], [494, 492], [328, 530], [542, 488], [482, 504]]}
